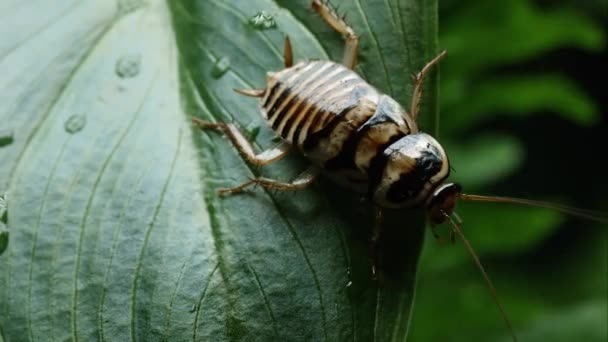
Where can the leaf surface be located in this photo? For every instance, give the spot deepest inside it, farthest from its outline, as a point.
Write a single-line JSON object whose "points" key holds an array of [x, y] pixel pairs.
{"points": [[116, 229]]}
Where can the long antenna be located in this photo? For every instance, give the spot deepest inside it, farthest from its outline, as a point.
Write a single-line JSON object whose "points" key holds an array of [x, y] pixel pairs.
{"points": [[582, 213], [458, 231]]}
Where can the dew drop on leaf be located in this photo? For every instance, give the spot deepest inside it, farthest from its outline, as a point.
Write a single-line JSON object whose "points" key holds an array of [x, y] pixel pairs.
{"points": [[3, 208], [193, 308], [3, 222], [262, 21], [220, 67], [6, 137], [348, 275], [128, 66], [253, 133], [3, 237], [75, 123]]}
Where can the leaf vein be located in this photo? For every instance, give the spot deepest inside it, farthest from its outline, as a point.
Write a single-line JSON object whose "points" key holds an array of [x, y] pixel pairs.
{"points": [[375, 40], [40, 29], [88, 208], [113, 252], [200, 302], [169, 313], [30, 137], [266, 301], [149, 230], [306, 258], [54, 102], [35, 237]]}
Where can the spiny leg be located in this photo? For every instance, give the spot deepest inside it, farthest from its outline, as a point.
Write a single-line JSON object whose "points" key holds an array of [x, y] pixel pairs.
{"points": [[418, 80], [331, 18], [305, 179], [288, 53], [251, 92], [375, 238], [240, 142]]}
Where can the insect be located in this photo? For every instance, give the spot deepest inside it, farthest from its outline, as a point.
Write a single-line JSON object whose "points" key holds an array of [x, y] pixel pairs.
{"points": [[360, 138]]}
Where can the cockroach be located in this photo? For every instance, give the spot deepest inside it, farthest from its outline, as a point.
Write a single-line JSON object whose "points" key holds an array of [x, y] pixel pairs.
{"points": [[361, 139]]}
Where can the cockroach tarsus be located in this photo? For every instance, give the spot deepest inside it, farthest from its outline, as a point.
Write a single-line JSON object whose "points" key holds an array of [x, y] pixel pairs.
{"points": [[361, 139]]}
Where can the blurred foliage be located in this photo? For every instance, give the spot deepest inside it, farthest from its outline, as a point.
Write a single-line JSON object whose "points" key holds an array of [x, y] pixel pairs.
{"points": [[506, 75]]}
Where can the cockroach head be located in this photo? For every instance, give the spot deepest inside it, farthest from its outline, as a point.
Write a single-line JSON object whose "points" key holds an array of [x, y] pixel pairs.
{"points": [[412, 168], [442, 202]]}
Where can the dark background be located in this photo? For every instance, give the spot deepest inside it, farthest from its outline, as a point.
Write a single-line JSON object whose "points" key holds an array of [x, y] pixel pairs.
{"points": [[523, 108]]}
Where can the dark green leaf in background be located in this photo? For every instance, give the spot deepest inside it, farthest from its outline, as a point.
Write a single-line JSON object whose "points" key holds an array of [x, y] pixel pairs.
{"points": [[116, 230], [523, 114]]}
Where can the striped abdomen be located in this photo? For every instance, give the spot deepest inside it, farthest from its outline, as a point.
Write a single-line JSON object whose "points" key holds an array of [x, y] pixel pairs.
{"points": [[335, 118]]}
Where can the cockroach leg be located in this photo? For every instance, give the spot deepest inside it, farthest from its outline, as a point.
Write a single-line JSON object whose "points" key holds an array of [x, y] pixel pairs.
{"points": [[244, 146], [288, 53], [305, 179], [418, 80], [251, 92], [332, 19]]}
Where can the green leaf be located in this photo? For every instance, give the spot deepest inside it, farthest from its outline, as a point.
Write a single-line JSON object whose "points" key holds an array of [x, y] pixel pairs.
{"points": [[547, 295], [486, 35], [513, 59], [116, 230], [518, 96], [484, 160], [586, 320]]}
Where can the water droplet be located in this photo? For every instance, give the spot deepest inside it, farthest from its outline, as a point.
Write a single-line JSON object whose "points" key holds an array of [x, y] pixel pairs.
{"points": [[262, 21], [193, 308], [75, 123], [349, 284], [220, 67], [3, 221], [3, 208], [128, 6], [3, 238], [6, 137], [253, 133], [128, 66]]}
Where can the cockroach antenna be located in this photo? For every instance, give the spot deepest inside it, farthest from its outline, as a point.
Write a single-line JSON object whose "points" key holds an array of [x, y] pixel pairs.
{"points": [[456, 229], [577, 212]]}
